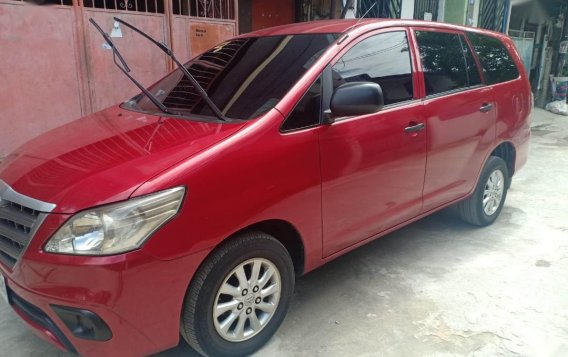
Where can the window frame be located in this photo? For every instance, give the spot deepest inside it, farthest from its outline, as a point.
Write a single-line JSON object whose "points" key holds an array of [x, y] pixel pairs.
{"points": [[327, 82], [476, 61], [462, 35]]}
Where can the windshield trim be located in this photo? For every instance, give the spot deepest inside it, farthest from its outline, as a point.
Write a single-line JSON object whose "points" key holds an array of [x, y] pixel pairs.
{"points": [[212, 119]]}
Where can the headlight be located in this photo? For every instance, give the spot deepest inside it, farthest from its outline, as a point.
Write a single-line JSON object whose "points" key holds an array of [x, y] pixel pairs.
{"points": [[116, 228]]}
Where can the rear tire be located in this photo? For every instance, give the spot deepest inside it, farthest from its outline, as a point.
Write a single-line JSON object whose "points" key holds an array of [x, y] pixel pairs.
{"points": [[232, 307], [484, 206]]}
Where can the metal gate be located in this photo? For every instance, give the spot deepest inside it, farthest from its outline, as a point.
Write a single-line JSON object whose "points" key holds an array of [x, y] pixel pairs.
{"points": [[148, 64], [380, 8], [426, 6], [524, 41], [41, 83], [56, 67], [493, 14], [197, 25]]}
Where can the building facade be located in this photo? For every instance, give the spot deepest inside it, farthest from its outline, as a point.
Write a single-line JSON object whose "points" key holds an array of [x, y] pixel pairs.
{"points": [[56, 67]]}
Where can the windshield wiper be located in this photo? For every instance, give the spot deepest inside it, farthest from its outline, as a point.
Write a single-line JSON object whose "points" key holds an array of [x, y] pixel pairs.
{"points": [[125, 69], [169, 52]]}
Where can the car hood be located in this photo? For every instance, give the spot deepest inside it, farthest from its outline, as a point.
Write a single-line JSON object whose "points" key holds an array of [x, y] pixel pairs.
{"points": [[105, 156]]}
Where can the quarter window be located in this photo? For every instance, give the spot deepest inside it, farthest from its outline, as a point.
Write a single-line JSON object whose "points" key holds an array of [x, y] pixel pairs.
{"points": [[498, 66], [308, 110], [383, 59]]}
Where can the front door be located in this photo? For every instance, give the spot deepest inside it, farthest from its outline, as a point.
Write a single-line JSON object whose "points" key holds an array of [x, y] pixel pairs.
{"points": [[373, 165]]}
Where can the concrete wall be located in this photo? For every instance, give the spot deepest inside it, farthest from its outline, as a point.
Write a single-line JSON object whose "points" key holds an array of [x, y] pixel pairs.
{"points": [[455, 11], [407, 9]]}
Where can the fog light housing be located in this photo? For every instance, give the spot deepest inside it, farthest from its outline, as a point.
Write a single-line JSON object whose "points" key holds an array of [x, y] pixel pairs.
{"points": [[83, 324]]}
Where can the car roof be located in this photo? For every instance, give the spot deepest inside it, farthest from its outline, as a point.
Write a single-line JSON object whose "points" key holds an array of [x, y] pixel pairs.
{"points": [[347, 25], [318, 26]]}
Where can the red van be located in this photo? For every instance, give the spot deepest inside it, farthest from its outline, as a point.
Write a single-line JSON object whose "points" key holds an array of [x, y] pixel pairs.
{"points": [[189, 212]]}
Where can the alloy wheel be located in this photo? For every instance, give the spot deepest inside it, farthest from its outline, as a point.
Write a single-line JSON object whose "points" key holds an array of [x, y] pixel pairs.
{"points": [[247, 300], [493, 193]]}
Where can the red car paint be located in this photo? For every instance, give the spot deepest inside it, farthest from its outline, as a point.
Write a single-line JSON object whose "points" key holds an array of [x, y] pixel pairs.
{"points": [[320, 180], [111, 152]]}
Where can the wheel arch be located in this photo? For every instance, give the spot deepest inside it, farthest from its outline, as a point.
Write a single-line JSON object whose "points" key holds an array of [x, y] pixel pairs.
{"points": [[281, 230], [506, 151], [244, 239], [286, 234]]}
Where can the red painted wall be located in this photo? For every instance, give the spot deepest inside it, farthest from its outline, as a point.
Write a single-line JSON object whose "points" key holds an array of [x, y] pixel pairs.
{"points": [[54, 68], [271, 13]]}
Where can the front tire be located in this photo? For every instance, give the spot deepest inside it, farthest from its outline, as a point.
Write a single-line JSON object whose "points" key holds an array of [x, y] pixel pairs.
{"points": [[239, 296], [484, 206]]}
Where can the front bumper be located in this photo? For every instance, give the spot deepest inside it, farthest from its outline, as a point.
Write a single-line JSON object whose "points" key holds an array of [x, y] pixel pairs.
{"points": [[138, 297], [39, 321]]}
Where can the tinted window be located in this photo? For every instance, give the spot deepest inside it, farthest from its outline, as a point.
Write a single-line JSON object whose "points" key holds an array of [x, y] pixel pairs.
{"points": [[244, 77], [498, 66], [443, 61], [383, 59], [473, 77], [308, 110]]}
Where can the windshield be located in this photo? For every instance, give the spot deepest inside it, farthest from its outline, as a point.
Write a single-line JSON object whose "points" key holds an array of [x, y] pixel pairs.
{"points": [[244, 77]]}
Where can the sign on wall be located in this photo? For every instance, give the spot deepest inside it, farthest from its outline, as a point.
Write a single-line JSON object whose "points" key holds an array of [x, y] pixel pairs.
{"points": [[204, 35]]}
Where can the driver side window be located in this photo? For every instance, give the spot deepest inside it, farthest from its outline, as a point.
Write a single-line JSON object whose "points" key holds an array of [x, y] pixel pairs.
{"points": [[383, 59]]}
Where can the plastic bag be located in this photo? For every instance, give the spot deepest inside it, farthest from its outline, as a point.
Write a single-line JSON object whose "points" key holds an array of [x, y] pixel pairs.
{"points": [[558, 107], [559, 88]]}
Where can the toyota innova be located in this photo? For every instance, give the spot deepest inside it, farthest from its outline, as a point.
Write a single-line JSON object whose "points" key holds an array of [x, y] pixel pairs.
{"points": [[189, 209]]}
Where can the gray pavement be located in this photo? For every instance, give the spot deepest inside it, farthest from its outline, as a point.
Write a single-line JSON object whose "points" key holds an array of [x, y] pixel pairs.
{"points": [[438, 287]]}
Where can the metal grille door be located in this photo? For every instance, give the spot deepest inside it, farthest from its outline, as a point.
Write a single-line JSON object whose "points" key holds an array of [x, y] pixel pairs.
{"points": [[424, 6], [40, 79], [59, 68], [380, 8], [524, 41], [148, 64], [493, 14], [197, 25]]}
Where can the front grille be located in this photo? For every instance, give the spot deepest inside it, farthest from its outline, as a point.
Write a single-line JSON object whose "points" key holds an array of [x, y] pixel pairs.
{"points": [[17, 224]]}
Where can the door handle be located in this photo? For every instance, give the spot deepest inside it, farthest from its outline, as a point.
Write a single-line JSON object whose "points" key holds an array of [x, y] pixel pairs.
{"points": [[414, 127], [485, 107]]}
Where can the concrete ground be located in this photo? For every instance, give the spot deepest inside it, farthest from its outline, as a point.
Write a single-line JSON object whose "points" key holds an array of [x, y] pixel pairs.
{"points": [[438, 287]]}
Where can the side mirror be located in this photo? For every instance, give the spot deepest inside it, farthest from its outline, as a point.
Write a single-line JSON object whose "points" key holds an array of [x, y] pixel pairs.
{"points": [[355, 98]]}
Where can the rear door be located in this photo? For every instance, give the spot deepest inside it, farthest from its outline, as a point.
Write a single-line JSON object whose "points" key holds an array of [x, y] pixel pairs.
{"points": [[510, 89], [459, 113], [372, 169]]}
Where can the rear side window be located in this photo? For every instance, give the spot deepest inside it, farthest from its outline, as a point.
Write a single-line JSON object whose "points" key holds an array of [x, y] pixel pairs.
{"points": [[498, 66], [383, 59], [443, 61]]}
